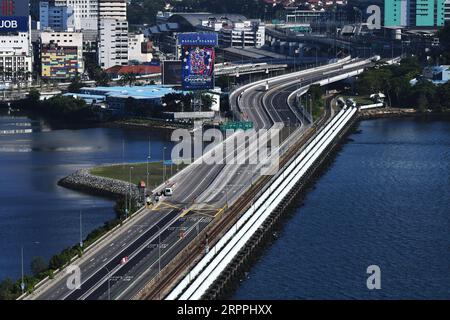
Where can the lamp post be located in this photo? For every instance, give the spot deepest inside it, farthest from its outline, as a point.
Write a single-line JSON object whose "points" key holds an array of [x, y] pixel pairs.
{"points": [[81, 231], [129, 189], [164, 165], [22, 282], [147, 185]]}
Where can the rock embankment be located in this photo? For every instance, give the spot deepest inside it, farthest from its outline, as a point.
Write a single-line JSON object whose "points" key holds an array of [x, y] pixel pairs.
{"points": [[387, 112], [82, 180]]}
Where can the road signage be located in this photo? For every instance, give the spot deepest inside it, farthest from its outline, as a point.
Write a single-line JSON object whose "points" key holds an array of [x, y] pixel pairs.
{"points": [[237, 125]]}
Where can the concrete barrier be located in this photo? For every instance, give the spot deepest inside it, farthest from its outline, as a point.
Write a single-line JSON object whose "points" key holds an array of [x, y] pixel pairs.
{"points": [[212, 264]]}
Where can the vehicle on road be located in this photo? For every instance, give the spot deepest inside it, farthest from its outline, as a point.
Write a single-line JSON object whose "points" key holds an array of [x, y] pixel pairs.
{"points": [[168, 192]]}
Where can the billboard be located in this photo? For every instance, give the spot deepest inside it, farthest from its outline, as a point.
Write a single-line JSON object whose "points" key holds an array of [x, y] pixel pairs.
{"points": [[14, 15], [198, 39], [197, 67], [171, 73]]}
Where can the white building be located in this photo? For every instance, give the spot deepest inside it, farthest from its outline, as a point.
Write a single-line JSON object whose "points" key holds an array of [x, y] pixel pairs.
{"points": [[85, 13], [112, 9], [437, 74], [247, 33], [15, 57], [113, 44], [136, 48], [113, 33]]}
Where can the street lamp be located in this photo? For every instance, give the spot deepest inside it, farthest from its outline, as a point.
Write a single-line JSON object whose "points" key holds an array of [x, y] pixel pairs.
{"points": [[164, 165], [148, 173], [22, 283], [129, 186], [81, 231]]}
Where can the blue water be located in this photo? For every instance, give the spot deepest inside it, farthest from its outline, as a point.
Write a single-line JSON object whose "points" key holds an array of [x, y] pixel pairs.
{"points": [[385, 201], [34, 211]]}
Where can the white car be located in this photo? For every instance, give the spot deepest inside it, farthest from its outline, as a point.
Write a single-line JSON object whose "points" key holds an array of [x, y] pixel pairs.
{"points": [[168, 192]]}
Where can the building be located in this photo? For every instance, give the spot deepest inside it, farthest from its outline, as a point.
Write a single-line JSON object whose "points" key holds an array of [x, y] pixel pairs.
{"points": [[85, 13], [447, 11], [112, 9], [234, 30], [244, 33], [61, 55], [15, 57], [138, 48], [138, 70], [113, 33], [116, 97], [58, 18], [414, 13], [437, 74], [113, 43]]}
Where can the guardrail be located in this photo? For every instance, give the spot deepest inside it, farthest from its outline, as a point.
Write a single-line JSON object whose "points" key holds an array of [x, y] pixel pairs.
{"points": [[212, 264]]}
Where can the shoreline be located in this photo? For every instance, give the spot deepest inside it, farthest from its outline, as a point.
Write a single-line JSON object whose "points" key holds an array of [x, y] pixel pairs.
{"points": [[146, 124], [84, 181], [379, 113]]}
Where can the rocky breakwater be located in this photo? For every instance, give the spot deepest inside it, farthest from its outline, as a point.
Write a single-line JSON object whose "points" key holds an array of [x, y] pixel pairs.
{"points": [[82, 180]]}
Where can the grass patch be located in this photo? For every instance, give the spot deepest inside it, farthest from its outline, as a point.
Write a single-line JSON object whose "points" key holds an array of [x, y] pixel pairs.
{"points": [[139, 172], [360, 100]]}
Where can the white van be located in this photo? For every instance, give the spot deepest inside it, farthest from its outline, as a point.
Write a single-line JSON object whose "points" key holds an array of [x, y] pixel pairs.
{"points": [[168, 192]]}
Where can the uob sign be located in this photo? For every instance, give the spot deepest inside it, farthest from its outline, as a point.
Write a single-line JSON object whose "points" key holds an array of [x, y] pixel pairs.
{"points": [[13, 24]]}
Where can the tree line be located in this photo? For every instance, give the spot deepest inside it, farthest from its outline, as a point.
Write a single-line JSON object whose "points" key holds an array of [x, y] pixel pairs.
{"points": [[394, 82]]}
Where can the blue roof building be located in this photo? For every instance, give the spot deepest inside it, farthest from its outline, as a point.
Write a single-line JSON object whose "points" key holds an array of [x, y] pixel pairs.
{"points": [[115, 97]]}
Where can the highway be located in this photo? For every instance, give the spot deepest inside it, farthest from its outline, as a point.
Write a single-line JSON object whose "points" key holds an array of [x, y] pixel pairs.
{"points": [[202, 191]]}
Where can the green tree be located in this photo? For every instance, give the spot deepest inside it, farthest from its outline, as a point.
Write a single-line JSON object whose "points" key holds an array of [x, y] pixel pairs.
{"points": [[175, 102], [207, 101], [34, 96], [422, 102], [75, 85], [38, 265], [128, 79], [8, 290]]}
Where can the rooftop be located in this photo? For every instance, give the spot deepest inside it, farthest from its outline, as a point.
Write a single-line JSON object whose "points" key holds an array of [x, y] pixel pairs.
{"points": [[137, 92]]}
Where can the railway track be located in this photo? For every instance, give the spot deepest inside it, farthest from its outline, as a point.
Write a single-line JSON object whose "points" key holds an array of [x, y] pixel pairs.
{"points": [[181, 264]]}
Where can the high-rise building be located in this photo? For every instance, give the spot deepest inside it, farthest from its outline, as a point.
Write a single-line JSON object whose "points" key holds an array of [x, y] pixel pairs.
{"points": [[85, 13], [7, 7], [58, 18], [113, 43], [447, 11], [113, 33], [112, 9], [414, 13]]}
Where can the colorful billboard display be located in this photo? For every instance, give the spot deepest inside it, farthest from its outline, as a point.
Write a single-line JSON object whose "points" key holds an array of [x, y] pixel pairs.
{"points": [[197, 67], [14, 15]]}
